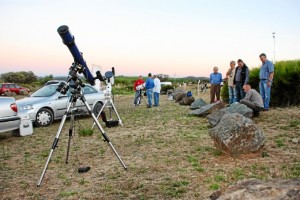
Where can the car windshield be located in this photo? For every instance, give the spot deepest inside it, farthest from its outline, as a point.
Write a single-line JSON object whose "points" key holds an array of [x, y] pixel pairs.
{"points": [[45, 91]]}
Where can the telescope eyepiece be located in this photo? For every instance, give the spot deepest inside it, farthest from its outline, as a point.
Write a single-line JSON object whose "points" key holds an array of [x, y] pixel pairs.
{"points": [[63, 29]]}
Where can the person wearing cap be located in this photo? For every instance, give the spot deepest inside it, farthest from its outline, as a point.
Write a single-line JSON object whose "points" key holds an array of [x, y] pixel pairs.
{"points": [[230, 76], [241, 78], [156, 90], [149, 89], [137, 83], [252, 100], [266, 75], [215, 80]]}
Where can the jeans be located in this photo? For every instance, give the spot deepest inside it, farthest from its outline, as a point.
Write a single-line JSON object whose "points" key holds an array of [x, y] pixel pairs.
{"points": [[156, 98], [137, 93], [232, 96], [239, 92], [265, 92], [149, 96]]}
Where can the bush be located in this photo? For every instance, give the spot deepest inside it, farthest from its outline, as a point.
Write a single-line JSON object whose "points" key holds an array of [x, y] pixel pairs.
{"points": [[254, 78], [123, 91], [165, 88], [224, 92], [286, 85]]}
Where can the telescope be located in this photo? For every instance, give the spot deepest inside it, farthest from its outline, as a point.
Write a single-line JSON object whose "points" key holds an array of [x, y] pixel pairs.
{"points": [[108, 76], [69, 41]]}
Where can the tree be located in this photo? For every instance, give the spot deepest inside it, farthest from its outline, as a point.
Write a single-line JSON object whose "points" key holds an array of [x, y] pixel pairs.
{"points": [[163, 77], [19, 77]]}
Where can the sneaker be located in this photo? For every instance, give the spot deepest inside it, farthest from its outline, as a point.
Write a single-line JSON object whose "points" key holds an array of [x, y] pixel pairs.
{"points": [[149, 106]]}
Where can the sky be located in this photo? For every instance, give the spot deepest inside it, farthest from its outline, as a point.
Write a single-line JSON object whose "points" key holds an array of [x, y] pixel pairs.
{"points": [[175, 37]]}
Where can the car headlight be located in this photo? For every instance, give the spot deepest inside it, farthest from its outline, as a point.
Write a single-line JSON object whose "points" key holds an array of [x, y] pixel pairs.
{"points": [[26, 107]]}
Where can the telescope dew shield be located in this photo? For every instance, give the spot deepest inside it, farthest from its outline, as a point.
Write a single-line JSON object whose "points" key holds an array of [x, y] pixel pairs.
{"points": [[69, 41]]}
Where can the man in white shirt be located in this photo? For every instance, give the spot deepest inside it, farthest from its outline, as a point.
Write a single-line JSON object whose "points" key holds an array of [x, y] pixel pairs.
{"points": [[231, 88], [156, 90]]}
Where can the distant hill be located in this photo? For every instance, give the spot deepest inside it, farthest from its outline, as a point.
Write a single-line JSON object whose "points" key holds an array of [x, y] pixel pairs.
{"points": [[193, 78]]}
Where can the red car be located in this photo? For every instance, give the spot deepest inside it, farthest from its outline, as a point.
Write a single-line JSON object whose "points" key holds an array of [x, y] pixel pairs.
{"points": [[11, 87]]}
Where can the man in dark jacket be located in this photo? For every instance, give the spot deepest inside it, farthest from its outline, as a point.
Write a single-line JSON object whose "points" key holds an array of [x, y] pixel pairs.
{"points": [[241, 78]]}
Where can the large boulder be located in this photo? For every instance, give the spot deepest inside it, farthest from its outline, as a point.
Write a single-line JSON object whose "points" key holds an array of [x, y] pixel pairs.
{"points": [[274, 189], [176, 91], [198, 104], [236, 134], [9, 93], [24, 92], [178, 97], [205, 110], [187, 101], [215, 117]]}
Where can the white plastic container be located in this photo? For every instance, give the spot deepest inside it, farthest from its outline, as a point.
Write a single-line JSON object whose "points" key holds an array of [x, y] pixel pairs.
{"points": [[25, 125]]}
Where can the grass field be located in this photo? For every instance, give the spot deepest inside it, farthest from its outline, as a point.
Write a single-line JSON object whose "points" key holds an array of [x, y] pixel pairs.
{"points": [[169, 155]]}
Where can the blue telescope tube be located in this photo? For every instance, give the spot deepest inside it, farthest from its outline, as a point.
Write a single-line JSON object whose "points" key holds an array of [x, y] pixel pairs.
{"points": [[69, 41]]}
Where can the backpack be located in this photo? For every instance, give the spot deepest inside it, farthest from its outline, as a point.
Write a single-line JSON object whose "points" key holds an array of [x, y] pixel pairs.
{"points": [[189, 94]]}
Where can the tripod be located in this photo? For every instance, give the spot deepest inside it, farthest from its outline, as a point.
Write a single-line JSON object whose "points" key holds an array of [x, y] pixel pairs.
{"points": [[76, 93], [139, 98], [108, 102]]}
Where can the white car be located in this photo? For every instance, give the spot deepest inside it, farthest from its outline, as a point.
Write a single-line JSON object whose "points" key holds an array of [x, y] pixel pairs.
{"points": [[46, 104], [165, 83], [9, 119]]}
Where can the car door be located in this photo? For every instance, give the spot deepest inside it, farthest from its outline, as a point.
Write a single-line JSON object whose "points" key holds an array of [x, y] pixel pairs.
{"points": [[13, 88], [61, 102], [90, 95]]}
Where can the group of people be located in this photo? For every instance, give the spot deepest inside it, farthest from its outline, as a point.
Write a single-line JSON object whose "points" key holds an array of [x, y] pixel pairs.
{"points": [[152, 87], [238, 85]]}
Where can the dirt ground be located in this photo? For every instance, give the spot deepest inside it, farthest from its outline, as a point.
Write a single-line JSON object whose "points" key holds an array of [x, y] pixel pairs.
{"points": [[169, 155]]}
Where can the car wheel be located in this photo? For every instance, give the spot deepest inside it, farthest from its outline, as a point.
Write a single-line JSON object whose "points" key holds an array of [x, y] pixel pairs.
{"points": [[97, 108], [44, 117]]}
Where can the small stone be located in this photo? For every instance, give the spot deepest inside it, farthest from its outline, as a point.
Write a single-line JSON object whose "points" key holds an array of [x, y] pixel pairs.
{"points": [[295, 140]]}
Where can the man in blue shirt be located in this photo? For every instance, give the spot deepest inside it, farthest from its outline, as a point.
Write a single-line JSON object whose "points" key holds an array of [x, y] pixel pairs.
{"points": [[149, 89], [215, 80], [266, 74]]}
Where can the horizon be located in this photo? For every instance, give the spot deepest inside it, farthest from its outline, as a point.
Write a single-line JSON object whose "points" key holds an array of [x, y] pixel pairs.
{"points": [[137, 37]]}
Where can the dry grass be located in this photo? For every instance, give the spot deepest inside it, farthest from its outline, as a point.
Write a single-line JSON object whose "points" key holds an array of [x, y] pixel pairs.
{"points": [[169, 156]]}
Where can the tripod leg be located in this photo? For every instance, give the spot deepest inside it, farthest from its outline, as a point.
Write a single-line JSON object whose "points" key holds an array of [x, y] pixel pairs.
{"points": [[71, 128], [55, 142], [113, 105], [105, 102], [102, 132]]}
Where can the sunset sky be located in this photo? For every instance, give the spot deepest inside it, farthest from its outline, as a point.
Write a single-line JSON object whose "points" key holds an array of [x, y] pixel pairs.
{"points": [[182, 37]]}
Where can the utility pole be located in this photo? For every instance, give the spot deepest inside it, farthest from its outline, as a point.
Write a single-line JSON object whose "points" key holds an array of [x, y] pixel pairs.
{"points": [[274, 48]]}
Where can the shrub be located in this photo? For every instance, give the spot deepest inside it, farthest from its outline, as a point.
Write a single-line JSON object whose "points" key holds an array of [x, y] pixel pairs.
{"points": [[165, 88], [286, 85], [224, 92], [254, 78]]}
